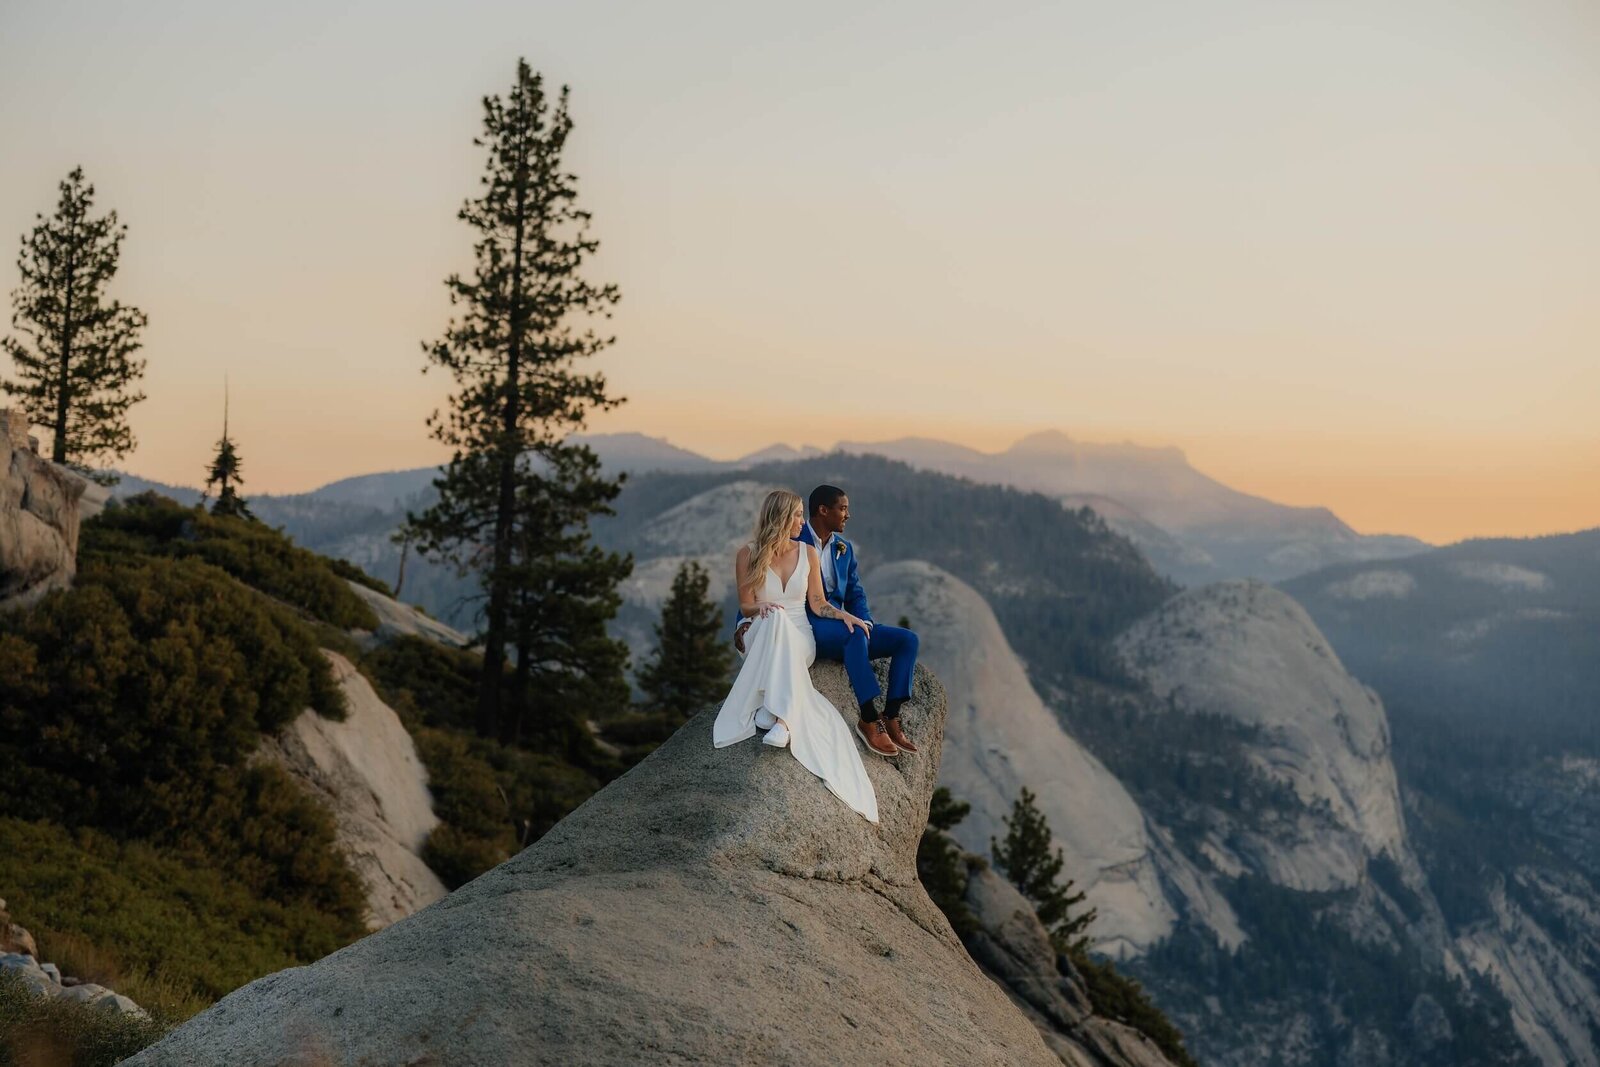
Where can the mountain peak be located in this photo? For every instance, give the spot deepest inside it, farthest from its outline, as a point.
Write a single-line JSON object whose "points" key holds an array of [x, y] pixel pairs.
{"points": [[1044, 441], [778, 453]]}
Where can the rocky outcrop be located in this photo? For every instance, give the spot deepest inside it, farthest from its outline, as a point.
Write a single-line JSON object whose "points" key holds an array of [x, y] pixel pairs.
{"points": [[19, 960], [366, 770], [38, 517], [710, 906], [396, 619]]}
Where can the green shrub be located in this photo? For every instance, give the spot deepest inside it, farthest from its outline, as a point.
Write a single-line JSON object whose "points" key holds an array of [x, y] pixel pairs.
{"points": [[426, 683], [475, 830], [492, 799], [1116, 996], [345, 569], [141, 835], [637, 733], [37, 1031], [127, 702], [132, 703], [266, 559], [156, 917]]}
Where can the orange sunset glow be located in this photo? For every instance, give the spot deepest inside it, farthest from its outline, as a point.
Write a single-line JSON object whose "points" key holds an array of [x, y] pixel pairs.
{"points": [[1340, 254]]}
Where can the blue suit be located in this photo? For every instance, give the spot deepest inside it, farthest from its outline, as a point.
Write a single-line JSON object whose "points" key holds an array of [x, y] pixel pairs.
{"points": [[857, 650]]}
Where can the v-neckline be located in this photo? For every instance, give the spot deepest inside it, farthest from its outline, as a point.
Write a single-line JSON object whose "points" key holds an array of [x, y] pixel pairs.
{"points": [[783, 583]]}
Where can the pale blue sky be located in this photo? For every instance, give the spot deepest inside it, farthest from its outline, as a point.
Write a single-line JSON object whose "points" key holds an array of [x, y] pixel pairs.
{"points": [[1341, 253]]}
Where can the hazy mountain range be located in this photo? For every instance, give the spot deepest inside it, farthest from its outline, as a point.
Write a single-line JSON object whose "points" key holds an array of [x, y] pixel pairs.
{"points": [[1192, 528]]}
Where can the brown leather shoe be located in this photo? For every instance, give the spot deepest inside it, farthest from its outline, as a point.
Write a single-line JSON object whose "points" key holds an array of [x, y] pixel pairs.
{"points": [[878, 741], [897, 735]]}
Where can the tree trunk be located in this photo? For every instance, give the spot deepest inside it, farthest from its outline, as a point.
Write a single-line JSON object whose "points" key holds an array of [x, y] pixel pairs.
{"points": [[400, 579], [58, 447], [494, 641], [511, 726]]}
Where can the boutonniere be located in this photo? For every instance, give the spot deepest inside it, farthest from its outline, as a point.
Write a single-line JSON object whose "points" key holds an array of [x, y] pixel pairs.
{"points": [[838, 549]]}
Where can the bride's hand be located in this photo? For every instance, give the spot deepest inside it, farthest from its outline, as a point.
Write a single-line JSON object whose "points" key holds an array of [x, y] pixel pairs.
{"points": [[851, 622], [767, 607]]}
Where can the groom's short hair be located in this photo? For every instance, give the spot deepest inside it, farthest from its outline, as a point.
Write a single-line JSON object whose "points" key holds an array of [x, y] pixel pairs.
{"points": [[824, 496]]}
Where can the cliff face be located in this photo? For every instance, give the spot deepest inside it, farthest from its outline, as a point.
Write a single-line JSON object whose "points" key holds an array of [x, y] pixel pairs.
{"points": [[1001, 738], [709, 906], [38, 518], [1249, 652]]}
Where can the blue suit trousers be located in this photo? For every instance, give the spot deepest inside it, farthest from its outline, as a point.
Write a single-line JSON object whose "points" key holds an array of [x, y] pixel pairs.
{"points": [[835, 641]]}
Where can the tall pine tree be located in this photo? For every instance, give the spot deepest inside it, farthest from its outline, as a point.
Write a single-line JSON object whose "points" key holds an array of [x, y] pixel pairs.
{"points": [[1025, 858], [224, 476], [76, 369], [690, 667], [522, 327]]}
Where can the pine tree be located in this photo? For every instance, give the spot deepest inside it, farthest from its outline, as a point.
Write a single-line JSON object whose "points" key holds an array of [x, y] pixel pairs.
{"points": [[75, 373], [511, 355], [1025, 858], [692, 659], [224, 474], [942, 865], [567, 666]]}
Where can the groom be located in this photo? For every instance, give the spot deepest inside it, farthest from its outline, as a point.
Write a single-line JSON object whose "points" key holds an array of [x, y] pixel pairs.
{"points": [[830, 510]]}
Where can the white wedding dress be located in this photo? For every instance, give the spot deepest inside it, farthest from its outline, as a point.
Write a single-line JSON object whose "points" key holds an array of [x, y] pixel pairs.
{"points": [[779, 650]]}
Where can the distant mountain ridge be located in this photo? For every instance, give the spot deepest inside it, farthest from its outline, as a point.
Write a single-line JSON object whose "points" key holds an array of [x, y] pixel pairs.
{"points": [[1192, 527]]}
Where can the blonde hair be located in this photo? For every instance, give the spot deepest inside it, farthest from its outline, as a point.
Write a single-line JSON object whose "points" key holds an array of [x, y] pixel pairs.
{"points": [[772, 531]]}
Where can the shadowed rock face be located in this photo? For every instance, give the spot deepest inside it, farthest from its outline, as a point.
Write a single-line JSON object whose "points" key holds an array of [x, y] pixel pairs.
{"points": [[38, 518], [710, 906]]}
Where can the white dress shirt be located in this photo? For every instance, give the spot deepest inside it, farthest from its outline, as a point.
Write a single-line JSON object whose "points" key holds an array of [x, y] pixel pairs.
{"points": [[830, 579]]}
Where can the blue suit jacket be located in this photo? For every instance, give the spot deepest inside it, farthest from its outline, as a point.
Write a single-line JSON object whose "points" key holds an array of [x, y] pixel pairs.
{"points": [[847, 592]]}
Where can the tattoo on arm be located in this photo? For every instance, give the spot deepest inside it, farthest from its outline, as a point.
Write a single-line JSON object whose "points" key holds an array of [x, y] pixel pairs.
{"points": [[828, 611]]}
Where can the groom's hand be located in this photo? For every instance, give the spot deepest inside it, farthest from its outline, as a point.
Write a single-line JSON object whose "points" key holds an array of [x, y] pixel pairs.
{"points": [[739, 632]]}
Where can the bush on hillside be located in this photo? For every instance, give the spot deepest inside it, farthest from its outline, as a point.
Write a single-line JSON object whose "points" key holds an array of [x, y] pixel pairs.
{"points": [[132, 704], [171, 933], [475, 831], [129, 702], [49, 1032], [265, 559], [349, 571], [492, 799], [426, 683], [1116, 996]]}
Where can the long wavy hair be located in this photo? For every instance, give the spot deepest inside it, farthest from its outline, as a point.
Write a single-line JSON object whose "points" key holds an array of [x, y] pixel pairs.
{"points": [[772, 531]]}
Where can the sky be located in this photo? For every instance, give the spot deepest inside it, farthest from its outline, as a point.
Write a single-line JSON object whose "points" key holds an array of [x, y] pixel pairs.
{"points": [[1341, 253]]}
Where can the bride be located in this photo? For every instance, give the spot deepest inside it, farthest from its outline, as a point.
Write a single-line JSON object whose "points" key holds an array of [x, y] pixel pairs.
{"points": [[777, 577]]}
